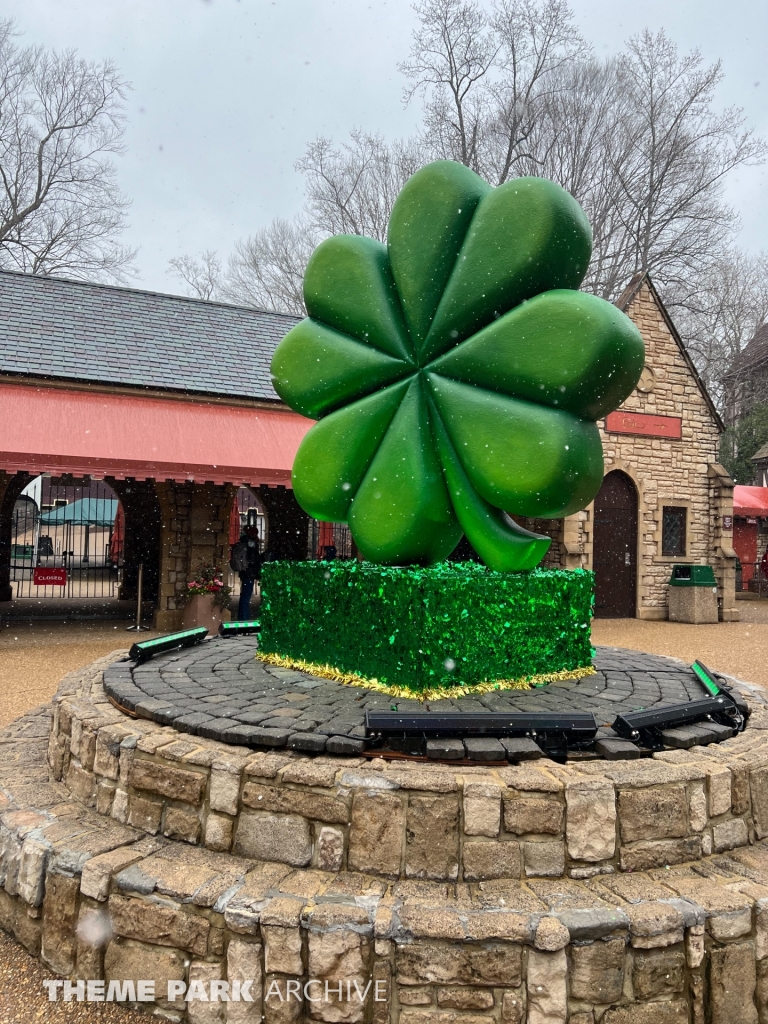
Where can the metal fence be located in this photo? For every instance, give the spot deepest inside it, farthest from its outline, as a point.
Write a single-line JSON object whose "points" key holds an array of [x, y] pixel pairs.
{"points": [[751, 578], [66, 540], [329, 541]]}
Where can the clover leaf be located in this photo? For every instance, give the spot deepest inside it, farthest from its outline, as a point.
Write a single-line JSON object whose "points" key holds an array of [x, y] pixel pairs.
{"points": [[456, 374]]}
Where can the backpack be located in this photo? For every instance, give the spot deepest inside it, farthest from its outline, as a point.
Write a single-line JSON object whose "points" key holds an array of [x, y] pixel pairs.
{"points": [[238, 561]]}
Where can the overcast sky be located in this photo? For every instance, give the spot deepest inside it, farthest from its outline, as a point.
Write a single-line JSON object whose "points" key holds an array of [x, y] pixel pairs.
{"points": [[226, 94]]}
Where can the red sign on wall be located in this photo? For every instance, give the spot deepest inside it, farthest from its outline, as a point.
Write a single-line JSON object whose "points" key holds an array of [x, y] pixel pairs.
{"points": [[49, 577], [621, 422]]}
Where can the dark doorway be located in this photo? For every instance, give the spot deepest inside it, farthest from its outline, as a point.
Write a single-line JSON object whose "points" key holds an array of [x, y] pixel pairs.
{"points": [[615, 548], [141, 529]]}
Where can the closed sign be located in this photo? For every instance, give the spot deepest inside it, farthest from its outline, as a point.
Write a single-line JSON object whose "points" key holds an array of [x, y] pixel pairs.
{"points": [[49, 577]]}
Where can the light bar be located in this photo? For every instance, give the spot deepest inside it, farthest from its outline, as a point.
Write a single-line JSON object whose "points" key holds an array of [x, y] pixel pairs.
{"points": [[711, 679], [171, 642], [629, 726], [706, 678], [239, 628], [491, 723]]}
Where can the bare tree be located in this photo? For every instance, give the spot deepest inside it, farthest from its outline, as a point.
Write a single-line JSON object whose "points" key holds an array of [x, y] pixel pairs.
{"points": [[720, 316], [453, 50], [670, 152], [486, 79], [350, 189], [267, 270], [636, 139], [201, 275], [61, 210], [539, 48]]}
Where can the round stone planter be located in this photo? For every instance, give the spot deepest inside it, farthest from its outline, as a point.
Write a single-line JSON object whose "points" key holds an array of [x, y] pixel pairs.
{"points": [[625, 893], [201, 611]]}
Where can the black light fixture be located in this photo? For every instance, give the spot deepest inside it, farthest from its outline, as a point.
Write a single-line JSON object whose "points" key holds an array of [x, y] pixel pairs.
{"points": [[716, 685], [631, 724], [554, 732], [481, 723], [242, 628], [171, 642]]}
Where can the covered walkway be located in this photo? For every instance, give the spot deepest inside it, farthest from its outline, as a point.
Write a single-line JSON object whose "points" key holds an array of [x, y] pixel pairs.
{"points": [[168, 400]]}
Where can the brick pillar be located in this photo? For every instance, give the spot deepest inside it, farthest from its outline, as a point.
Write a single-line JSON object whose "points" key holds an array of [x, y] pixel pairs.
{"points": [[288, 523], [575, 554], [175, 500], [209, 524], [10, 488], [721, 540], [194, 528]]}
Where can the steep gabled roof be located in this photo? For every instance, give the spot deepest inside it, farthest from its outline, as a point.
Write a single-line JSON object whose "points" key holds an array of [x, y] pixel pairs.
{"points": [[623, 303], [54, 328], [754, 354]]}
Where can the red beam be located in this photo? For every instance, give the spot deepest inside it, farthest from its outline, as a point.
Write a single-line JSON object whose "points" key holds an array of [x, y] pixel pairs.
{"points": [[54, 430]]}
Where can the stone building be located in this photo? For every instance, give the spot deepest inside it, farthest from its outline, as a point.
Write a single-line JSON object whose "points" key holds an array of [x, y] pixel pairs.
{"points": [[746, 383], [760, 459], [665, 498]]}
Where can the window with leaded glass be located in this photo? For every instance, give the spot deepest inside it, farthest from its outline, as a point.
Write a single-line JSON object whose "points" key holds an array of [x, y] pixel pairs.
{"points": [[673, 531]]}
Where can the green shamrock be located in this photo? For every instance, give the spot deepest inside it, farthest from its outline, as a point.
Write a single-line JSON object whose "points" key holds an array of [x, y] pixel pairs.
{"points": [[455, 372]]}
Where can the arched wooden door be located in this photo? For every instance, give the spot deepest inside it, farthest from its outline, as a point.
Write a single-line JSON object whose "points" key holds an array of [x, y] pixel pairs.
{"points": [[614, 556]]}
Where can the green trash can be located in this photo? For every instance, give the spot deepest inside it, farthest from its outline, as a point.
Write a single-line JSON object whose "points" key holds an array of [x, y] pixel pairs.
{"points": [[692, 594]]}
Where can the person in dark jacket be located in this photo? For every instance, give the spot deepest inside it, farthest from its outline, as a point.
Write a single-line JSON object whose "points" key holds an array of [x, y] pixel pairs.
{"points": [[249, 548]]}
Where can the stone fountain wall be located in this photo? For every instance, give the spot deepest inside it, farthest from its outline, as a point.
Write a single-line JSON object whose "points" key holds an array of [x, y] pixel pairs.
{"points": [[130, 852]]}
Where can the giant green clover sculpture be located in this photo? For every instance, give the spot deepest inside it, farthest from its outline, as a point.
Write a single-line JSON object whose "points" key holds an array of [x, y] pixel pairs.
{"points": [[455, 372]]}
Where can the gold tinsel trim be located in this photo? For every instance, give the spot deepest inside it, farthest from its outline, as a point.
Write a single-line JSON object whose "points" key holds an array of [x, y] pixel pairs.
{"points": [[438, 693]]}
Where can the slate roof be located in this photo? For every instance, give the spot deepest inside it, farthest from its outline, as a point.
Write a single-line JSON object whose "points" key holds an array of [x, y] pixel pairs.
{"points": [[753, 354], [55, 328]]}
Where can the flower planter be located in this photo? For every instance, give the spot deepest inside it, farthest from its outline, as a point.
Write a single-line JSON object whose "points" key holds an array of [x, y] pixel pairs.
{"points": [[201, 611]]}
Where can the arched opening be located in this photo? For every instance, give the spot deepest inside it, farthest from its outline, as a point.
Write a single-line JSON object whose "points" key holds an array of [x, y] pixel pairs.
{"points": [[615, 548], [247, 510], [330, 541], [67, 540]]}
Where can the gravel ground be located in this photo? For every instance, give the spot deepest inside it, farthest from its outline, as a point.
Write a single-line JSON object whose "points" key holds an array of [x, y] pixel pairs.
{"points": [[23, 1000], [738, 648], [34, 657]]}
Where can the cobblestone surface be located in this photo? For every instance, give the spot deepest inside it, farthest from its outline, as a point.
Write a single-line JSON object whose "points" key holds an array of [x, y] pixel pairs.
{"points": [[220, 691]]}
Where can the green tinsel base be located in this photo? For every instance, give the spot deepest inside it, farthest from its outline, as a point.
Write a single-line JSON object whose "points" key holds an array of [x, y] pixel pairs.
{"points": [[446, 626]]}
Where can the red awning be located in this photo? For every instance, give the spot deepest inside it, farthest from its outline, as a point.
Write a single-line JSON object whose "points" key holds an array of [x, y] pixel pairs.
{"points": [[56, 430], [750, 501]]}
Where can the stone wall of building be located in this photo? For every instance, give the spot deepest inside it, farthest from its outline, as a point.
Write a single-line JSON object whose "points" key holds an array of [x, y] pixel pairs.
{"points": [[683, 473], [666, 472]]}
